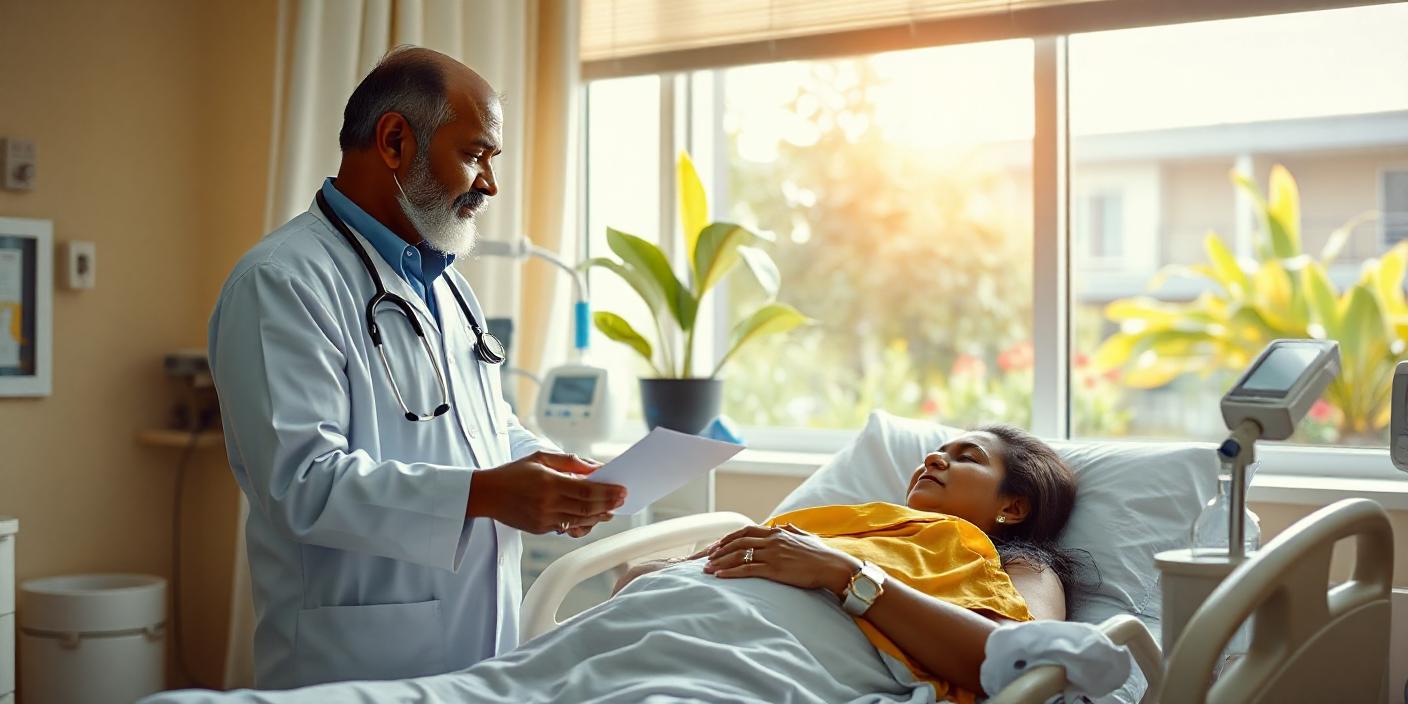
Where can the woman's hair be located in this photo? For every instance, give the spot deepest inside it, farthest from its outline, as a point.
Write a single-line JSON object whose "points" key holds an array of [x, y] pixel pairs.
{"points": [[1035, 472]]}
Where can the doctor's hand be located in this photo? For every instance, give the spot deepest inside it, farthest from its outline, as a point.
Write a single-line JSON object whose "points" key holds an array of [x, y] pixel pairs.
{"points": [[544, 492]]}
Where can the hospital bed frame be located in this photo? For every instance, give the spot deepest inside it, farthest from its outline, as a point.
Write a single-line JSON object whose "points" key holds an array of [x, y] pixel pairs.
{"points": [[1310, 641]]}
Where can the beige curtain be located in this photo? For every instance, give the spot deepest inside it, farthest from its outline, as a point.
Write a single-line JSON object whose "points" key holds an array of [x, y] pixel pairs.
{"points": [[528, 50]]}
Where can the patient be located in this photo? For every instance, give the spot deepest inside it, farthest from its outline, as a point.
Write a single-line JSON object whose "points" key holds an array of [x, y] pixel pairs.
{"points": [[973, 547], [1011, 491]]}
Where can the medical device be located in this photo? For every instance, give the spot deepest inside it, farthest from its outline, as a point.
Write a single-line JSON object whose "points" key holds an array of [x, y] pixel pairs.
{"points": [[1398, 423], [574, 407], [574, 400], [1266, 403], [487, 348]]}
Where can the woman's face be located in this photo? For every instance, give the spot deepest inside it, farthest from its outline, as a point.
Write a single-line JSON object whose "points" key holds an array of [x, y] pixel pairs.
{"points": [[962, 479]]}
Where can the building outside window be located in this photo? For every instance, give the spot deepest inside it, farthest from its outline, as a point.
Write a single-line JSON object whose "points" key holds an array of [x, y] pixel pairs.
{"points": [[898, 190]]}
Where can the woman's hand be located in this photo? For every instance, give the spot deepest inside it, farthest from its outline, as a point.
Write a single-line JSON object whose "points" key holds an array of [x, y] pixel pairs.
{"points": [[788, 555]]}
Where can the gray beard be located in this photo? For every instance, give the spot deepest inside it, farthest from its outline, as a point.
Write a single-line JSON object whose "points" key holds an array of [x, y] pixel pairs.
{"points": [[431, 211]]}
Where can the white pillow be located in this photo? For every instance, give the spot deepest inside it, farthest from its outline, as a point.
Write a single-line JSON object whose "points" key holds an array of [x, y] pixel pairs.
{"points": [[1132, 500]]}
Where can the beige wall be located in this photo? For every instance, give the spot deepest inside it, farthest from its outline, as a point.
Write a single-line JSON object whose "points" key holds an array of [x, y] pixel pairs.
{"points": [[755, 496], [152, 120]]}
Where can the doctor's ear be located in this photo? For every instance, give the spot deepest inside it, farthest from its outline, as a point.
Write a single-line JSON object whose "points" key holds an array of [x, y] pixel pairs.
{"points": [[395, 142]]}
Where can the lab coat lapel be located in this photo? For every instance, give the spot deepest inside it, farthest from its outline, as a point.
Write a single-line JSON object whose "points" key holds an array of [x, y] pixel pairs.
{"points": [[462, 368]]}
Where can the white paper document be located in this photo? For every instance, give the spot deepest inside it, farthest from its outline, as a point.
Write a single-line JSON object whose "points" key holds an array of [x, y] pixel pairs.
{"points": [[660, 463]]}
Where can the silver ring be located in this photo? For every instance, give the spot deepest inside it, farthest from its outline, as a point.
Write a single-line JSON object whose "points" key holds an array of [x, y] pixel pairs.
{"points": [[747, 556]]}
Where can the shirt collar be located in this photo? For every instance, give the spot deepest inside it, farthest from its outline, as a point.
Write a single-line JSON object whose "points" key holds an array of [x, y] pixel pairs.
{"points": [[421, 261]]}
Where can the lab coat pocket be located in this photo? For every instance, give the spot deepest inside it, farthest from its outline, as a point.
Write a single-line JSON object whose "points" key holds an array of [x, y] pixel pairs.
{"points": [[373, 642]]}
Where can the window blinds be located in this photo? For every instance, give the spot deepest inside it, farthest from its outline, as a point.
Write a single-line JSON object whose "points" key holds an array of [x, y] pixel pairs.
{"points": [[628, 37]]}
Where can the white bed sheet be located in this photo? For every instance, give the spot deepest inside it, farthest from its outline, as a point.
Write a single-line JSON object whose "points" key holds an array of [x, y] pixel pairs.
{"points": [[675, 635]]}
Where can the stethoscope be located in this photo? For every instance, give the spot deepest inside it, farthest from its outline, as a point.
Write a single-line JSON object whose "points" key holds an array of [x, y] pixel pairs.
{"points": [[487, 347]]}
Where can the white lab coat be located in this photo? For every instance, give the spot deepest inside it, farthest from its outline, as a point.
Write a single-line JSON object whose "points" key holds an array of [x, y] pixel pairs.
{"points": [[362, 562]]}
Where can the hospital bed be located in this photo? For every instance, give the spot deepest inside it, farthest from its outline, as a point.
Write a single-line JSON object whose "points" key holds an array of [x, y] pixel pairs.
{"points": [[1311, 641]]}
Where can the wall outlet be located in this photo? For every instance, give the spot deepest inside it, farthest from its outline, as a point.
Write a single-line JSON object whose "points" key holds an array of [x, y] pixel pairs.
{"points": [[17, 164], [80, 265]]}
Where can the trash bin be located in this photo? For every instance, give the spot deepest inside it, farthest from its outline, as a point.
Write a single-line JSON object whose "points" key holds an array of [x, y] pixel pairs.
{"points": [[92, 638], [8, 527]]}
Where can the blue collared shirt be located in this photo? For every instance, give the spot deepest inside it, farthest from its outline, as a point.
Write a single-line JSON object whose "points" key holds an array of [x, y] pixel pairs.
{"points": [[419, 265]]}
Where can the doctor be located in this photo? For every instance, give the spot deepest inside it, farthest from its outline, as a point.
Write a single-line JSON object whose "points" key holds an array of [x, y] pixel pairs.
{"points": [[387, 485]]}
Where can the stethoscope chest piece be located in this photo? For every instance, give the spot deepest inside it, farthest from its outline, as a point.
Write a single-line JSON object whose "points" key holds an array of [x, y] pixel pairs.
{"points": [[489, 349]]}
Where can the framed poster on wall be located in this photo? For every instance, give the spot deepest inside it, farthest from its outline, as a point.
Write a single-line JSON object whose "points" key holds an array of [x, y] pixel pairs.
{"points": [[26, 307]]}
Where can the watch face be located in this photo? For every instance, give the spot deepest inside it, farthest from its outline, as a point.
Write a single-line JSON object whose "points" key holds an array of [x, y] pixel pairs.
{"points": [[865, 588]]}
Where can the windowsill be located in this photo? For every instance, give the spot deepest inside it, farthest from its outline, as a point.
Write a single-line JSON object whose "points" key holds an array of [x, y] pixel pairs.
{"points": [[1267, 487]]}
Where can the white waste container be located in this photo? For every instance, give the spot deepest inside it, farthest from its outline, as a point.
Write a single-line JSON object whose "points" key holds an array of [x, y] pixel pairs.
{"points": [[8, 527], [92, 638]]}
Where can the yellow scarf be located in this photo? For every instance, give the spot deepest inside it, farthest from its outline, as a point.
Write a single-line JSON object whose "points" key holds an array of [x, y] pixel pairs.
{"points": [[943, 556]]}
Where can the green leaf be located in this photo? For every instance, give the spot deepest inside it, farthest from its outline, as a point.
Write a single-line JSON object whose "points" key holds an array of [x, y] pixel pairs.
{"points": [[1388, 280], [616, 328], [1323, 299], [694, 205], [1115, 352], [1335, 243], [763, 268], [716, 254], [1283, 213], [646, 289], [648, 259], [1229, 272], [1362, 327], [771, 319]]}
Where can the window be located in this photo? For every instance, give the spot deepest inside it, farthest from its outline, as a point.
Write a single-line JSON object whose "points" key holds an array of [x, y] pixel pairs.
{"points": [[1395, 206], [623, 192], [1180, 107], [898, 190], [1099, 223]]}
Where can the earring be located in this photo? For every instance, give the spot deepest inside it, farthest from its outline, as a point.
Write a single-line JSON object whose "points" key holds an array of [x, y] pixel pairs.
{"points": [[1001, 519]]}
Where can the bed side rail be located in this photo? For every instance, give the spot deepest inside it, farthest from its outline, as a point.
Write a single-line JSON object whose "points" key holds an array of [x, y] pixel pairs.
{"points": [[546, 595]]}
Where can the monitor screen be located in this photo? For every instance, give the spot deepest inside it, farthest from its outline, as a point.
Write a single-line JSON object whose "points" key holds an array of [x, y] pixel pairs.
{"points": [[574, 390], [1280, 369]]}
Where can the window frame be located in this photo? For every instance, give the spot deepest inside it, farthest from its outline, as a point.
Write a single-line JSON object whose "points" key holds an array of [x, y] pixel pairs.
{"points": [[1052, 303]]}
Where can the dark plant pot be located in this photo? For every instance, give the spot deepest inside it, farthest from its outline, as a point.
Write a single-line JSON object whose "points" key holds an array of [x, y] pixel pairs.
{"points": [[686, 405]]}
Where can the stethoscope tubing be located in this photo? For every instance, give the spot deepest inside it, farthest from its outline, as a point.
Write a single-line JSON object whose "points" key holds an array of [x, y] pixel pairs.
{"points": [[483, 353]]}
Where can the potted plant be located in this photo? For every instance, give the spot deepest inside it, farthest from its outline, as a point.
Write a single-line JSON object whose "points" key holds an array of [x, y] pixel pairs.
{"points": [[676, 397]]}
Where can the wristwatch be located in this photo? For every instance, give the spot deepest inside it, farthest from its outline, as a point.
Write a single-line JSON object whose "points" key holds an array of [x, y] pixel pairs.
{"points": [[867, 584]]}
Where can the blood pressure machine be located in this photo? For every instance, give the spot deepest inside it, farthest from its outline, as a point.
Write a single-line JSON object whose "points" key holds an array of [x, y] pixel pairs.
{"points": [[574, 400]]}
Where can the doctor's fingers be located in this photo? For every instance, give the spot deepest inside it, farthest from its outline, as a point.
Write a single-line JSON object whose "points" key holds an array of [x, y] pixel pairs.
{"points": [[612, 494], [571, 505], [564, 462]]}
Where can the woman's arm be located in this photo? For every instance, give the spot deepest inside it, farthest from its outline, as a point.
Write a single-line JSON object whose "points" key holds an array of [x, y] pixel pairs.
{"points": [[1041, 589], [948, 641]]}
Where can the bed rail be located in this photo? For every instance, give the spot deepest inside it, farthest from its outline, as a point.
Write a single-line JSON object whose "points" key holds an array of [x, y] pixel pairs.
{"points": [[1310, 642], [1042, 683], [546, 595]]}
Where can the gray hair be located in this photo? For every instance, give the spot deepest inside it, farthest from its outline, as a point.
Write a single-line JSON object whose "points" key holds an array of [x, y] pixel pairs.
{"points": [[407, 81]]}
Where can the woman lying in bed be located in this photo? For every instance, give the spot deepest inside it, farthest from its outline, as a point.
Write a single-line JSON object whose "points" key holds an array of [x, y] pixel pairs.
{"points": [[758, 617], [1013, 494]]}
